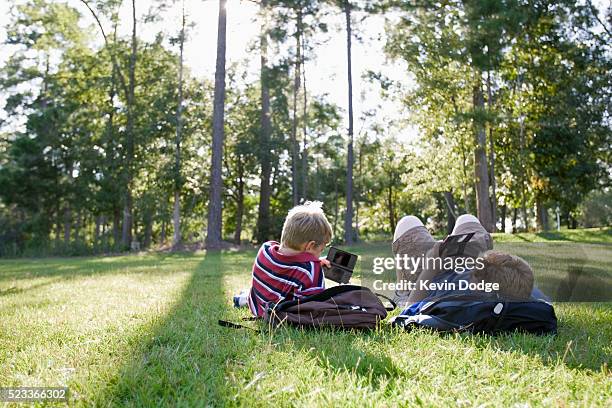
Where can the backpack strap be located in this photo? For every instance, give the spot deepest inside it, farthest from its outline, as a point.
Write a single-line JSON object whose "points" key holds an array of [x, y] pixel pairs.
{"points": [[393, 304], [225, 323], [319, 297]]}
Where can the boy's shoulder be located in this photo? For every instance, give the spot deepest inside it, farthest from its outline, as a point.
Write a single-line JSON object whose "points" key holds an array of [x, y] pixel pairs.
{"points": [[270, 249]]}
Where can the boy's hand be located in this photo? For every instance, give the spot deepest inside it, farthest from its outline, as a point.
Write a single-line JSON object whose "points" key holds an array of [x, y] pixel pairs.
{"points": [[325, 262]]}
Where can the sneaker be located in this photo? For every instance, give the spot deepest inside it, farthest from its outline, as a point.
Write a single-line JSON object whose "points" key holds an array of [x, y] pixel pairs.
{"points": [[240, 300]]}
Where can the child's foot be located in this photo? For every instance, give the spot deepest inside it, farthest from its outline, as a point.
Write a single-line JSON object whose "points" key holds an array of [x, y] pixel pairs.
{"points": [[240, 300]]}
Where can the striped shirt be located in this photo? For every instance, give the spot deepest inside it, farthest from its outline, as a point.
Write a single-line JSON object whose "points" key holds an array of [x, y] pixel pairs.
{"points": [[278, 277]]}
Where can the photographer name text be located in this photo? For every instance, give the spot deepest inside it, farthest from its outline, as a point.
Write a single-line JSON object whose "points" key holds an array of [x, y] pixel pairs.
{"points": [[460, 284]]}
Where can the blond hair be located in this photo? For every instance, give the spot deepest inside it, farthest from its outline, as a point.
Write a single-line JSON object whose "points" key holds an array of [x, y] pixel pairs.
{"points": [[514, 275], [305, 223]]}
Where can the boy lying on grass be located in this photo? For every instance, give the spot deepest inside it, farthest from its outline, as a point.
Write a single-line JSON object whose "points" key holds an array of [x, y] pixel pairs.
{"points": [[512, 275], [292, 268]]}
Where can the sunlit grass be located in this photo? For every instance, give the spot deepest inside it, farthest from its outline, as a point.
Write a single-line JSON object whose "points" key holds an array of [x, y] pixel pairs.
{"points": [[142, 331], [585, 235]]}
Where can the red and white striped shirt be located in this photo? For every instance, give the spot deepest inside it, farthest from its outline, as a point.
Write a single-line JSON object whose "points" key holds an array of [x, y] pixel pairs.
{"points": [[278, 277]]}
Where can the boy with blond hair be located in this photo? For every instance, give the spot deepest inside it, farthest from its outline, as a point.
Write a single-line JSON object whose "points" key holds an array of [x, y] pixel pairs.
{"points": [[512, 273], [292, 268]]}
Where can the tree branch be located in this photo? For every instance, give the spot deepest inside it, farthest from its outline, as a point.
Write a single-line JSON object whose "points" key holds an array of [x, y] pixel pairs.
{"points": [[112, 54], [596, 15]]}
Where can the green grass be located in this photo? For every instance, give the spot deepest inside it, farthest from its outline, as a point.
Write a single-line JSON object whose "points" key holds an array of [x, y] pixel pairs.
{"points": [[142, 331], [584, 235]]}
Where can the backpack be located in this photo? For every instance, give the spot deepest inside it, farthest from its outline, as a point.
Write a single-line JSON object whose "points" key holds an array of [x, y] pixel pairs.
{"points": [[343, 306], [477, 316]]}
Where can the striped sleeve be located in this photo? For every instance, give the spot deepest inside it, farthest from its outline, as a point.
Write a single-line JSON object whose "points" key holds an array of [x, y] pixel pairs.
{"points": [[316, 285]]}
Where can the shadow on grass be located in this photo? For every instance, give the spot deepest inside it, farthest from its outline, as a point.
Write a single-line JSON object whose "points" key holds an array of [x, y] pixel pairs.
{"points": [[582, 342], [342, 351], [17, 290], [66, 268], [553, 236], [580, 285], [182, 360], [522, 238]]}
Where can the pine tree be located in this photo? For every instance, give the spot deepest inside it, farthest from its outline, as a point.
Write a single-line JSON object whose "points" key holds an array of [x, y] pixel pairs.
{"points": [[213, 235]]}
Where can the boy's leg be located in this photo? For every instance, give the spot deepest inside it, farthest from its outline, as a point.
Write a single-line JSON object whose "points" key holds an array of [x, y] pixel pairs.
{"points": [[411, 239], [480, 242]]}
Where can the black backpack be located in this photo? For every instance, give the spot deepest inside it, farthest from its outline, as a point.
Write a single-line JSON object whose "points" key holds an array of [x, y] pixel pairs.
{"points": [[477, 316]]}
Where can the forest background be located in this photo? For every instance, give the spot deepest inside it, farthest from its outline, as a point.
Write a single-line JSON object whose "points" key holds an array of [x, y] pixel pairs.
{"points": [[111, 140]]}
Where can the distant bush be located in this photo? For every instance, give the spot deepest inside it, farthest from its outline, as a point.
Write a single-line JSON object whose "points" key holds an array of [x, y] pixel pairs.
{"points": [[596, 209]]}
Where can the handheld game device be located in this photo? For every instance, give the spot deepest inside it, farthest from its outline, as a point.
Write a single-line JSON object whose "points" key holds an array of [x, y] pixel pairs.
{"points": [[454, 245], [342, 265]]}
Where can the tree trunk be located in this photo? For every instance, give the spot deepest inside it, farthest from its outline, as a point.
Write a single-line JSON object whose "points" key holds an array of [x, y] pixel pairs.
{"points": [[116, 226], [491, 158], [574, 222], [296, 89], [111, 147], [176, 242], [77, 225], [542, 215], [135, 228], [464, 165], [263, 217], [514, 220], [213, 236], [390, 206], [335, 226], [129, 132], [492, 181], [451, 212], [176, 221], [58, 224], [522, 176], [304, 126], [126, 234], [104, 241], [348, 220], [239, 202], [67, 224], [524, 214], [356, 229], [162, 237], [503, 217], [481, 176], [359, 189], [91, 222], [275, 177], [148, 229], [105, 235], [316, 189], [97, 231], [466, 200]]}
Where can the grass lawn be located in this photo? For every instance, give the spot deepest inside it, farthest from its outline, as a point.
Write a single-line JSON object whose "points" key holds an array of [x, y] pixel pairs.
{"points": [[584, 235], [142, 331]]}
